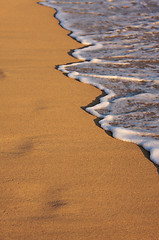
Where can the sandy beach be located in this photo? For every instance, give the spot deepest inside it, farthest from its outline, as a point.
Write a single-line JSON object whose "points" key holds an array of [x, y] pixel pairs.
{"points": [[61, 176]]}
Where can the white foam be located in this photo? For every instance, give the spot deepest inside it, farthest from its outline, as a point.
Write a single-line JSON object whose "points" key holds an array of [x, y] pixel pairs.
{"points": [[103, 76], [118, 132], [62, 17], [78, 53], [133, 136]]}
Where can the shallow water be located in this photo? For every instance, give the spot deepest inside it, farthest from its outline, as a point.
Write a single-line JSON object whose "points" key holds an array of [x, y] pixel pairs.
{"points": [[121, 57]]}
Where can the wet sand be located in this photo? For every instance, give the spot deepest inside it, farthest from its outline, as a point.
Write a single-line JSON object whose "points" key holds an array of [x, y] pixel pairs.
{"points": [[61, 176]]}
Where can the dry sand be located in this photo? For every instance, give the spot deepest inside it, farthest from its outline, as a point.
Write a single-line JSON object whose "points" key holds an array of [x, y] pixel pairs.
{"points": [[61, 176]]}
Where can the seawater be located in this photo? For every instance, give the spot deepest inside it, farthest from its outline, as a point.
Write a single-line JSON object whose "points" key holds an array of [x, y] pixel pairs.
{"points": [[120, 57]]}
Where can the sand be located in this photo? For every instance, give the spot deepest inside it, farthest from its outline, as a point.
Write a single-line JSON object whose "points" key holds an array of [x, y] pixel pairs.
{"points": [[61, 176]]}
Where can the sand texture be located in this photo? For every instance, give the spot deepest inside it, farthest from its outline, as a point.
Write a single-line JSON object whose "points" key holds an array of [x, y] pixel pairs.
{"points": [[61, 176]]}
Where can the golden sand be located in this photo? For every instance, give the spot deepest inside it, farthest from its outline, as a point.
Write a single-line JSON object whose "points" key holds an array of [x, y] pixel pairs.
{"points": [[61, 176]]}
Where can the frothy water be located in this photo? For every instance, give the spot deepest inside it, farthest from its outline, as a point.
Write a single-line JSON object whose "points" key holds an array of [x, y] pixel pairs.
{"points": [[121, 57]]}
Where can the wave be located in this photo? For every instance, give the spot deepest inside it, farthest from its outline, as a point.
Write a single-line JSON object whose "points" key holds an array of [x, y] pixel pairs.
{"points": [[122, 61]]}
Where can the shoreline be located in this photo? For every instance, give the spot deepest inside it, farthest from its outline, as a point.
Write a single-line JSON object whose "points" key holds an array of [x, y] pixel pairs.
{"points": [[120, 133], [62, 177]]}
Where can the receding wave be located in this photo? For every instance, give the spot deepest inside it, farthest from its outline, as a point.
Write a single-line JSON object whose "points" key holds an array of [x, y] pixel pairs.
{"points": [[121, 57]]}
